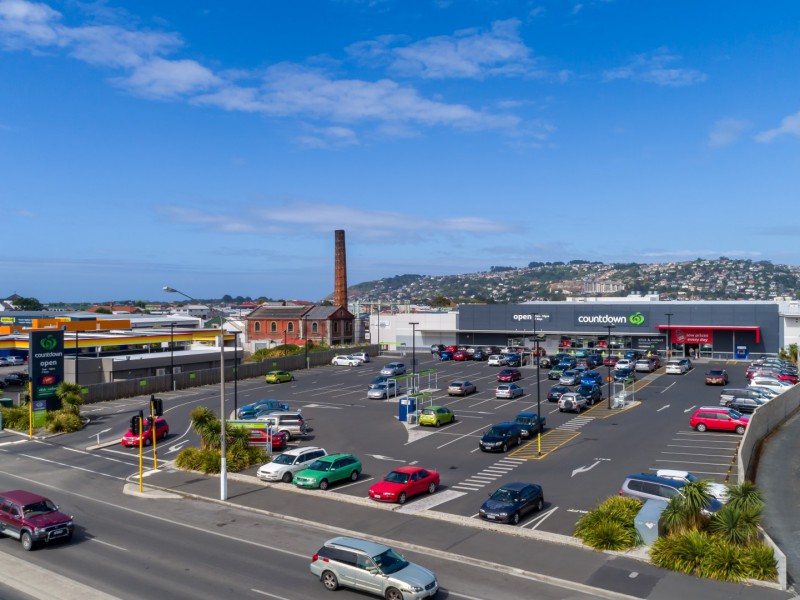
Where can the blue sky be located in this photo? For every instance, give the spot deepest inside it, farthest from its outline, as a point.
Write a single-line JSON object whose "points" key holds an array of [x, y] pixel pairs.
{"points": [[216, 146]]}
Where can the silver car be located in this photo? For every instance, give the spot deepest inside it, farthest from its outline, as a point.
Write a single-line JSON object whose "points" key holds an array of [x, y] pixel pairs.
{"points": [[372, 568], [383, 390], [571, 377], [394, 368]]}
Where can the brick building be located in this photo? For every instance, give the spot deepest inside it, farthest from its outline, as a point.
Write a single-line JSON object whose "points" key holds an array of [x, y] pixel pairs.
{"points": [[272, 325]]}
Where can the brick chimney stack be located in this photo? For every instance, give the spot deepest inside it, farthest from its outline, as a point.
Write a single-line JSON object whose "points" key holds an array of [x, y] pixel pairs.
{"points": [[340, 271]]}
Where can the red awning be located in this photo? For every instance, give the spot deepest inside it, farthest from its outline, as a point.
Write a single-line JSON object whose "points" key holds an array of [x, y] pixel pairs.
{"points": [[755, 328]]}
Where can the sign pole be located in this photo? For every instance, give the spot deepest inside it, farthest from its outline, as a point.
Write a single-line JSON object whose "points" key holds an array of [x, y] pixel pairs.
{"points": [[141, 458]]}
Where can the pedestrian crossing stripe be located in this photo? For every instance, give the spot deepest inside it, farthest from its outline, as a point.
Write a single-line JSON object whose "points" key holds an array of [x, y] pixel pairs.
{"points": [[551, 441]]}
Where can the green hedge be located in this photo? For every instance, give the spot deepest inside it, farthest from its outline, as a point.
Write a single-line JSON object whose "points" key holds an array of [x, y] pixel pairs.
{"points": [[208, 461]]}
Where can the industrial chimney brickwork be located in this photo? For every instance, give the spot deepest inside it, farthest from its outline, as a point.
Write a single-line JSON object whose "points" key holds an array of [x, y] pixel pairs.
{"points": [[340, 271]]}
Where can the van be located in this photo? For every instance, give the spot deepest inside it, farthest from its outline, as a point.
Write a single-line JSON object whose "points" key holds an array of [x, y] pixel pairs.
{"points": [[652, 487], [291, 424]]}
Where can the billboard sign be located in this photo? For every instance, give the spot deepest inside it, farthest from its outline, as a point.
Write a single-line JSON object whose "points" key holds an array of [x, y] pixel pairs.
{"points": [[46, 366], [634, 319], [692, 336]]}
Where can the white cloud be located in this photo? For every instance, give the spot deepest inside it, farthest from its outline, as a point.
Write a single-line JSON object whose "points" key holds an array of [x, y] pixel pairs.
{"points": [[329, 137], [726, 131], [789, 125], [283, 219], [467, 54], [655, 68], [160, 78], [576, 9]]}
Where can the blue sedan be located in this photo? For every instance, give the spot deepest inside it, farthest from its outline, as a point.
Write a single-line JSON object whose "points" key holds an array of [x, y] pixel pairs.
{"points": [[591, 377]]}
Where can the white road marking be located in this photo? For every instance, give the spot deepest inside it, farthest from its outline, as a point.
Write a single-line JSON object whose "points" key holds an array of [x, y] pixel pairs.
{"points": [[697, 454], [458, 438], [429, 501], [669, 386], [15, 442], [71, 467], [341, 487], [696, 463], [539, 519], [584, 468], [690, 408], [663, 407], [267, 594], [463, 486], [91, 539]]}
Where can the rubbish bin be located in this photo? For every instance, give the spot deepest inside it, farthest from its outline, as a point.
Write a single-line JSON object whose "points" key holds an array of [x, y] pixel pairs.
{"points": [[6, 403], [407, 406], [646, 521]]}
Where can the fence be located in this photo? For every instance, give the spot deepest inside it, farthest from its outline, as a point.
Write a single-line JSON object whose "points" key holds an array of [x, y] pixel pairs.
{"points": [[144, 386]]}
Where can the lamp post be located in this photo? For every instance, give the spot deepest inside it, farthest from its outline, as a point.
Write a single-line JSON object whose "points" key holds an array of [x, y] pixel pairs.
{"points": [[305, 337], [235, 372], [77, 357], [538, 387], [669, 334], [172, 353], [172, 290], [284, 343], [223, 473], [414, 353], [609, 327]]}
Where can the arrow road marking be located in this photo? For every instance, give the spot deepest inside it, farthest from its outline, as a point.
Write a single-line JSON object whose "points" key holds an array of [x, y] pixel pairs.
{"points": [[690, 408], [177, 447], [584, 469], [663, 407], [380, 457]]}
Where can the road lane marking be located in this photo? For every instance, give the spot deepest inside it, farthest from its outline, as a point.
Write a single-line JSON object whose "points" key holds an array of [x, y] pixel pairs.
{"points": [[663, 407], [263, 593], [72, 467], [93, 539], [463, 436]]}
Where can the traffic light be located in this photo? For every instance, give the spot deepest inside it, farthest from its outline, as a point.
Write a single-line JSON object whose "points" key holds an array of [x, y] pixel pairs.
{"points": [[156, 406], [135, 423], [150, 420]]}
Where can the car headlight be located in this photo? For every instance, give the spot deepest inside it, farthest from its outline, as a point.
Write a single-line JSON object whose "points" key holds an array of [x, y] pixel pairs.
{"points": [[503, 514], [414, 589], [37, 531]]}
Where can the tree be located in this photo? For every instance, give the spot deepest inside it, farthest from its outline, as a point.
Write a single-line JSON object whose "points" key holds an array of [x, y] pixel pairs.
{"points": [[102, 310], [28, 304], [686, 511], [440, 301], [71, 396], [789, 353]]}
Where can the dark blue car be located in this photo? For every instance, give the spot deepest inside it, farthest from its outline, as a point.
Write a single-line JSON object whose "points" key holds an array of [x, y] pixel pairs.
{"points": [[498, 438], [249, 411], [445, 355], [512, 502], [530, 423]]}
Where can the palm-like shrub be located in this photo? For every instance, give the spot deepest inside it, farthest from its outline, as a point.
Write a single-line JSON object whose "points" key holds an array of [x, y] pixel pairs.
{"points": [[682, 552], [761, 563], [610, 526], [71, 396], [746, 496], [63, 421], [206, 425], [734, 525], [16, 418], [724, 561]]}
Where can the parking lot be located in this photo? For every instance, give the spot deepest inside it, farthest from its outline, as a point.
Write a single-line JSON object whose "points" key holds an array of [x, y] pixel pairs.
{"points": [[584, 457]]}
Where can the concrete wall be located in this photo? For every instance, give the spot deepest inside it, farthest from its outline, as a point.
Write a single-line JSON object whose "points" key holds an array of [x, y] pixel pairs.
{"points": [[764, 421]]}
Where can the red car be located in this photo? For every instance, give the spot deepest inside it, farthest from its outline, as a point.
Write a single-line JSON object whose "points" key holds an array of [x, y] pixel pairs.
{"points": [[451, 349], [610, 361], [258, 437], [402, 483], [509, 375], [462, 355], [777, 374], [717, 377], [131, 439]]}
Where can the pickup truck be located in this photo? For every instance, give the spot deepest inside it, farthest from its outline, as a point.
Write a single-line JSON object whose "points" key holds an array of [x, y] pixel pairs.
{"points": [[530, 423]]}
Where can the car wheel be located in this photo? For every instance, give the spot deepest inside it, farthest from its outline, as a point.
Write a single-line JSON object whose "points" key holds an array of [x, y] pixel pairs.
{"points": [[540, 505], [401, 499], [148, 440], [505, 447], [323, 485], [393, 594], [436, 423], [353, 475], [287, 435], [330, 581], [740, 429], [27, 541], [287, 477], [701, 427], [431, 487], [515, 518]]}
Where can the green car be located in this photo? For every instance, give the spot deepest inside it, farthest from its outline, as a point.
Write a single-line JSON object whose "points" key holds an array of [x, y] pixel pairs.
{"points": [[278, 377], [436, 415], [327, 470], [556, 372]]}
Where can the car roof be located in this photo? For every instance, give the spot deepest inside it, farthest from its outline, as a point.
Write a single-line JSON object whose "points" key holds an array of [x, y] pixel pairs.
{"points": [[301, 449], [516, 486], [526, 414], [366, 546], [331, 457], [656, 479], [505, 424], [22, 497]]}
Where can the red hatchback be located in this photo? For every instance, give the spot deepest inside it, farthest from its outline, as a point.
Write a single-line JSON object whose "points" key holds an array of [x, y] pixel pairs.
{"points": [[131, 439], [719, 418], [509, 375], [402, 483], [462, 355], [610, 361]]}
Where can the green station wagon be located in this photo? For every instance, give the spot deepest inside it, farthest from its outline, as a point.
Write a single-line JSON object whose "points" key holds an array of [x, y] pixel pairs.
{"points": [[327, 470]]}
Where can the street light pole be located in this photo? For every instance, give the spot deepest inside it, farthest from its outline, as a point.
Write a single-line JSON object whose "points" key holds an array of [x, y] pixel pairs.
{"points": [[172, 290], [609, 327], [172, 353], [414, 353], [538, 387], [235, 372], [223, 473], [77, 357], [669, 334]]}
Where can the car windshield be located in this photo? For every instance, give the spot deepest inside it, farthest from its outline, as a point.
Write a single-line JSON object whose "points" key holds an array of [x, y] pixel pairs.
{"points": [[428, 411], [38, 508], [496, 432], [283, 459], [560, 389], [734, 414], [715, 373], [320, 465], [396, 477], [524, 420], [504, 495], [390, 562]]}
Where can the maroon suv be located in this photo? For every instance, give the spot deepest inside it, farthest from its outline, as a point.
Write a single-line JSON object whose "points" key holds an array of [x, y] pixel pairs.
{"points": [[32, 519]]}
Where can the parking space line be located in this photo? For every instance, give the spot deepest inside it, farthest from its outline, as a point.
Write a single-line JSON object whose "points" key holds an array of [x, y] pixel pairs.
{"points": [[696, 454], [697, 463], [698, 447], [551, 441], [463, 436], [341, 487], [539, 519], [718, 473]]}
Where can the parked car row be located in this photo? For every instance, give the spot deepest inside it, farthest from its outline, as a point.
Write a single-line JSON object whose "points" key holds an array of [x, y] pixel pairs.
{"points": [[11, 361]]}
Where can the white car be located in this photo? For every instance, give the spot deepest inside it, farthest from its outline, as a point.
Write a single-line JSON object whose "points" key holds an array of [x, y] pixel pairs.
{"points": [[624, 363], [571, 402], [644, 364], [675, 367], [718, 490], [345, 361], [362, 356], [497, 360], [14, 361], [772, 384], [284, 466]]}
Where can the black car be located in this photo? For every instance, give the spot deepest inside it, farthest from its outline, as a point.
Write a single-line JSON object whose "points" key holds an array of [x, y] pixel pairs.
{"points": [[591, 392], [479, 355], [500, 437], [17, 378], [530, 423], [745, 405], [512, 501], [633, 355], [436, 348], [594, 360], [555, 393]]}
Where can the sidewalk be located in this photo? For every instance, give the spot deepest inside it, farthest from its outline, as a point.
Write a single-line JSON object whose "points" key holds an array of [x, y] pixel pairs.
{"points": [[550, 558]]}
